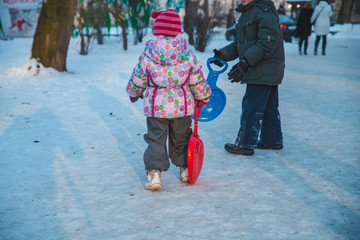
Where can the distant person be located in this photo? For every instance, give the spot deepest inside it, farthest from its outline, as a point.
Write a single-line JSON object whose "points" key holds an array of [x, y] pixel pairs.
{"points": [[281, 10], [169, 77], [321, 19], [304, 26]]}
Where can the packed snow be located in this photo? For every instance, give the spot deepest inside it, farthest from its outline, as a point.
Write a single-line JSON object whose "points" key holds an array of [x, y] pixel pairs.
{"points": [[71, 147]]}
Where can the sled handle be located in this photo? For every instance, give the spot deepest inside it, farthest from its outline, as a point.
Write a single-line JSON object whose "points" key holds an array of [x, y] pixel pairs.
{"points": [[214, 71], [197, 112], [213, 74]]}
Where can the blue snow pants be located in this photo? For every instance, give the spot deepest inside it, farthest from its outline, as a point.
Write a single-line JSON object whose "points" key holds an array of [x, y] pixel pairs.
{"points": [[260, 116]]}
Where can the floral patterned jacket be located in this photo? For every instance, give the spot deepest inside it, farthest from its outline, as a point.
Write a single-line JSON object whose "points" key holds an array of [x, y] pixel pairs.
{"points": [[171, 76]]}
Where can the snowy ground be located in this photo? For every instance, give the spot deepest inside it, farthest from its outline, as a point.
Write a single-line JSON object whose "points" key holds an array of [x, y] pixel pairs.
{"points": [[71, 148]]}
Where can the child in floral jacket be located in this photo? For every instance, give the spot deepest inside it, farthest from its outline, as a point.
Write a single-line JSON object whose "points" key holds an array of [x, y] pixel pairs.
{"points": [[168, 76]]}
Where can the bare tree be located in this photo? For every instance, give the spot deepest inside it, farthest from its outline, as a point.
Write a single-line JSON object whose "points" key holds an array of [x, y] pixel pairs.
{"points": [[190, 15], [53, 31], [139, 16], [345, 11], [97, 15], [205, 22], [82, 24], [118, 10]]}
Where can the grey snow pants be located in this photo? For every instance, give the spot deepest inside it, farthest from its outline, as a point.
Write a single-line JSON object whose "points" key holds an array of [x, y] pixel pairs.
{"points": [[156, 156]]}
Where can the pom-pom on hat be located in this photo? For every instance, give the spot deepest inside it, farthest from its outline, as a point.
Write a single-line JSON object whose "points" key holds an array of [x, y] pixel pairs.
{"points": [[167, 23]]}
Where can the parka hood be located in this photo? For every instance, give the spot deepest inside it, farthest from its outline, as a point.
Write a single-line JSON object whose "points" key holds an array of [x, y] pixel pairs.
{"points": [[241, 8], [167, 51]]}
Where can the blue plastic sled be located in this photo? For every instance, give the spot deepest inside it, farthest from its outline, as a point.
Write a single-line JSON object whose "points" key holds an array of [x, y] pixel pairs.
{"points": [[217, 99]]}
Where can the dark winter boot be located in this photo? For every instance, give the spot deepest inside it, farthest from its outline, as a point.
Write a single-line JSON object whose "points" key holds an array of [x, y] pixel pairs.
{"points": [[234, 149], [323, 45], [273, 147]]}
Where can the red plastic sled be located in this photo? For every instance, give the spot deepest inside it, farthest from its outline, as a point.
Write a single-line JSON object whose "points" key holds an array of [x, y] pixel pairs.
{"points": [[195, 150]]}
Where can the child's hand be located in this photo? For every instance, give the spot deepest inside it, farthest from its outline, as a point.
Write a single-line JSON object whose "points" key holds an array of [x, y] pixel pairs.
{"points": [[200, 104], [134, 99]]}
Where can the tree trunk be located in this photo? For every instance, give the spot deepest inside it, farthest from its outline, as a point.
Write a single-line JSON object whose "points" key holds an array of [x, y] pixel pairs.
{"points": [[345, 11], [206, 22], [85, 38], [116, 9], [190, 14], [203, 28], [53, 31], [97, 19], [124, 35]]}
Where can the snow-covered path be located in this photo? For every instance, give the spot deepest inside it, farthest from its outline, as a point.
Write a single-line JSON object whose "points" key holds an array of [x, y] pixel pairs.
{"points": [[71, 148]]}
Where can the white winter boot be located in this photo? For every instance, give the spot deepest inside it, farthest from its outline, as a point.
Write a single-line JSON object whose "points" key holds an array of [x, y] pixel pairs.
{"points": [[184, 175], [153, 180]]}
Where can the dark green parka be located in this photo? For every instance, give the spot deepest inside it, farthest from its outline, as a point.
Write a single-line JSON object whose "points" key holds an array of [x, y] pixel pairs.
{"points": [[258, 38]]}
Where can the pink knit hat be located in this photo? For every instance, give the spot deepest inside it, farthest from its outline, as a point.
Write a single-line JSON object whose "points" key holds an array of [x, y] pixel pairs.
{"points": [[167, 23]]}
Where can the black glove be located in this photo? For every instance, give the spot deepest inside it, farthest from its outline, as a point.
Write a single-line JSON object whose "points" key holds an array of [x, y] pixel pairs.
{"points": [[217, 54], [238, 70]]}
